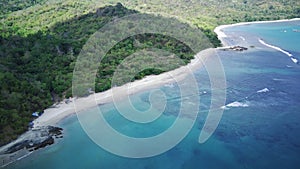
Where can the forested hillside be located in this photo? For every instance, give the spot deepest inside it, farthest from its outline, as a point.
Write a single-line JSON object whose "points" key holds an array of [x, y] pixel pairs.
{"points": [[9, 6], [36, 68], [40, 41]]}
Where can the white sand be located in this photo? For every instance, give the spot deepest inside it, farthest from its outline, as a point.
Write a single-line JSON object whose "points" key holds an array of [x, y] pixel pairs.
{"points": [[52, 116], [221, 35]]}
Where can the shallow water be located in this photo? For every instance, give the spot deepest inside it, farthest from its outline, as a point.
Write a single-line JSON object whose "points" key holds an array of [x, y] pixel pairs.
{"points": [[262, 135]]}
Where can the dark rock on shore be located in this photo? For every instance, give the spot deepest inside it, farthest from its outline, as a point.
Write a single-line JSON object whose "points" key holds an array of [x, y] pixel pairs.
{"points": [[235, 48], [55, 131], [48, 141], [238, 48], [35, 139], [17, 146]]}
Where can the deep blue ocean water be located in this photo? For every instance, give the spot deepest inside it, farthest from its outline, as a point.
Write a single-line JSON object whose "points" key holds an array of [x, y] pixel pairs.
{"points": [[265, 134]]}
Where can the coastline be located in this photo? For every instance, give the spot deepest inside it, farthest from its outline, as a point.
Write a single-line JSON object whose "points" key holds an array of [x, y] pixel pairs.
{"points": [[221, 35], [53, 115]]}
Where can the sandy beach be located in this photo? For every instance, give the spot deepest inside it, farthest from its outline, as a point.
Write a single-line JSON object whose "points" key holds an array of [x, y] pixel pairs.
{"points": [[53, 115], [221, 35], [61, 110], [56, 113]]}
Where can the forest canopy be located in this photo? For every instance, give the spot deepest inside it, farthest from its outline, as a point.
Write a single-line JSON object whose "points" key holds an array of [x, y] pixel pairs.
{"points": [[40, 41]]}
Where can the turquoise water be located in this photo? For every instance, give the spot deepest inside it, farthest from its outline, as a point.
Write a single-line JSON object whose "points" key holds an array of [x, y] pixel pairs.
{"points": [[279, 34], [263, 135]]}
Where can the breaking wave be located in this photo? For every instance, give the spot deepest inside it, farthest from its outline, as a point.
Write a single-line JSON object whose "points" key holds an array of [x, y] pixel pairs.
{"points": [[235, 104], [263, 90], [275, 47]]}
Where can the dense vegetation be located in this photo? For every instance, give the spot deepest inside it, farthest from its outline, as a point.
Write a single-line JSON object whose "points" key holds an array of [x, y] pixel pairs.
{"points": [[40, 40], [36, 68], [9, 6]]}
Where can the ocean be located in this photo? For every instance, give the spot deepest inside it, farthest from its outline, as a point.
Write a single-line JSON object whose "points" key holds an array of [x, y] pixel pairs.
{"points": [[259, 128]]}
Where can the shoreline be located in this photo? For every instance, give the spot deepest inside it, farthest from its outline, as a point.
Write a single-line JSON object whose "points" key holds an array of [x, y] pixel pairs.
{"points": [[53, 115], [221, 35], [280, 50]]}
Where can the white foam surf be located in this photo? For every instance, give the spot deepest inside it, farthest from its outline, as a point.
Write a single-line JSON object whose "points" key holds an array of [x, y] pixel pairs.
{"points": [[235, 104], [263, 90], [276, 79], [24, 156], [275, 47], [294, 60]]}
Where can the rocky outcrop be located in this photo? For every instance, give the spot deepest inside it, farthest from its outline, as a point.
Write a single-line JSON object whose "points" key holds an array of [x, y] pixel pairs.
{"points": [[234, 48], [238, 48], [48, 141], [33, 139]]}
